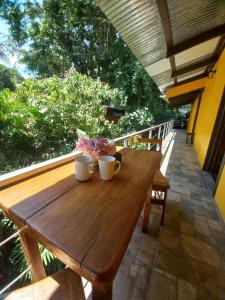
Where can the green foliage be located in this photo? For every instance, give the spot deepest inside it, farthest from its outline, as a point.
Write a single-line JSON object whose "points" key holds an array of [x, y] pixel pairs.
{"points": [[9, 78], [13, 254], [18, 260], [61, 34], [40, 119], [137, 120]]}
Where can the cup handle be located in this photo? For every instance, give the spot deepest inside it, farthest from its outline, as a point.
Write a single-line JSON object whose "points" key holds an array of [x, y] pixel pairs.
{"points": [[118, 168], [91, 168]]}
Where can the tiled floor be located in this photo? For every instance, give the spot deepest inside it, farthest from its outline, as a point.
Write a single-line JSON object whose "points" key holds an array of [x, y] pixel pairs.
{"points": [[184, 259]]}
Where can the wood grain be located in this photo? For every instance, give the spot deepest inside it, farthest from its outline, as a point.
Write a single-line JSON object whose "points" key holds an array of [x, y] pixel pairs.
{"points": [[91, 225], [86, 225], [31, 195], [24, 173]]}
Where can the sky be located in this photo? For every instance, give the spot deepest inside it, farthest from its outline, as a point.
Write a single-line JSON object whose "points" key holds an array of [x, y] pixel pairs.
{"points": [[13, 59]]}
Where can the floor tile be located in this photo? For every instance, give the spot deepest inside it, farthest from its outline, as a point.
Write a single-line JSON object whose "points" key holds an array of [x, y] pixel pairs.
{"points": [[184, 259]]}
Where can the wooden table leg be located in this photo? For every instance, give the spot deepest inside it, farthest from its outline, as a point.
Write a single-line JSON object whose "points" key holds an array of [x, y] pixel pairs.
{"points": [[33, 257], [98, 294], [147, 209]]}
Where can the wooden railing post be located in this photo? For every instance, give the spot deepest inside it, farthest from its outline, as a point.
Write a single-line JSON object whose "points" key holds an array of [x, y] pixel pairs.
{"points": [[125, 144]]}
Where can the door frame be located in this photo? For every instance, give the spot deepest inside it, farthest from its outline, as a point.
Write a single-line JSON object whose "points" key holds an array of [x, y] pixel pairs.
{"points": [[215, 137]]}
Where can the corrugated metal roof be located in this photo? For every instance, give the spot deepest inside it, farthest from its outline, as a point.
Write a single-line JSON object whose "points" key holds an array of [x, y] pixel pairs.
{"points": [[163, 78], [192, 17], [196, 53], [139, 24]]}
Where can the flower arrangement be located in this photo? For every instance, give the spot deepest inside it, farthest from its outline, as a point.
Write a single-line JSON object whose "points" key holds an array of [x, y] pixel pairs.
{"points": [[96, 147]]}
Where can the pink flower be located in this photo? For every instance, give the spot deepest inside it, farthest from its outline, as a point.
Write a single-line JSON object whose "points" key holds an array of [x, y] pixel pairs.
{"points": [[96, 147]]}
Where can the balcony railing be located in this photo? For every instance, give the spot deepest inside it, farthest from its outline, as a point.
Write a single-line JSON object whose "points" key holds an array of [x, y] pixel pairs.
{"points": [[158, 131], [161, 131]]}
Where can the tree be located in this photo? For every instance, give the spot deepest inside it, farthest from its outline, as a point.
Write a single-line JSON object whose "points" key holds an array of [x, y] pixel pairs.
{"points": [[39, 120], [76, 33], [9, 78]]}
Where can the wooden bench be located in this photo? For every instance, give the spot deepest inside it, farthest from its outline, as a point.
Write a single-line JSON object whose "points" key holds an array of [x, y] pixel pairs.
{"points": [[160, 184], [64, 285], [189, 135]]}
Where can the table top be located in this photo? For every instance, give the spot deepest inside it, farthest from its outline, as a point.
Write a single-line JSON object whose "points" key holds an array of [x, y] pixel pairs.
{"points": [[87, 225]]}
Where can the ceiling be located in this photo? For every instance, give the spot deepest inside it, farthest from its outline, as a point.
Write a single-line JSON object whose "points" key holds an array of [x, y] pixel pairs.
{"points": [[175, 41]]}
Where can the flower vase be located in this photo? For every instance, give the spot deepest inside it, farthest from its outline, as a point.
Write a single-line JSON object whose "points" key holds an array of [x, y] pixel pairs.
{"points": [[94, 160]]}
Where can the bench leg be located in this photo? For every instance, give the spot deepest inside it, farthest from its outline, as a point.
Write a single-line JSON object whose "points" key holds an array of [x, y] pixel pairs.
{"points": [[164, 207], [187, 139], [147, 209]]}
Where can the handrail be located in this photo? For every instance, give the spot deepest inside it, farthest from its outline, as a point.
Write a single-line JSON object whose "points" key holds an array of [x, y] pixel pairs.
{"points": [[15, 176], [11, 283], [13, 236], [122, 138], [23, 173], [167, 126]]}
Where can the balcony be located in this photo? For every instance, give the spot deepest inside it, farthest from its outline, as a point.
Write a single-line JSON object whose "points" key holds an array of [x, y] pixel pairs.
{"points": [[184, 259]]}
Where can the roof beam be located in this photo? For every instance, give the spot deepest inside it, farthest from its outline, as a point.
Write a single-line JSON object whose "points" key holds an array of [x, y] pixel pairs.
{"points": [[206, 62], [217, 52], [186, 88], [198, 39], [165, 19], [173, 68], [192, 79], [220, 46]]}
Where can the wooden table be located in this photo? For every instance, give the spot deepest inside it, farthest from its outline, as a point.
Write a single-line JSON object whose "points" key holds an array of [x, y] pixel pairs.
{"points": [[87, 225]]}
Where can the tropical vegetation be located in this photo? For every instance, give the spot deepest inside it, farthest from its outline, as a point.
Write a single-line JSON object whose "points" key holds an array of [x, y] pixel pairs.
{"points": [[9, 78], [79, 64], [52, 36]]}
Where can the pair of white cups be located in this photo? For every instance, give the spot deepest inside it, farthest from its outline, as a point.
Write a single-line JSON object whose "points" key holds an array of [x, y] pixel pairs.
{"points": [[84, 168]]}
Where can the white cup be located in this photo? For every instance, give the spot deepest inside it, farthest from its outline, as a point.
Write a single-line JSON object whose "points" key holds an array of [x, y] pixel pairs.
{"points": [[107, 167], [83, 168]]}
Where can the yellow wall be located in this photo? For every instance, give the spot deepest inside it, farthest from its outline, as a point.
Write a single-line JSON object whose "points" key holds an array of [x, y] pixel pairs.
{"points": [[192, 116], [211, 98], [220, 194], [210, 102]]}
